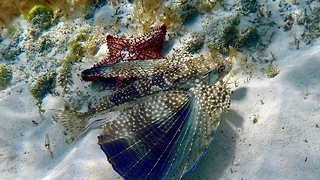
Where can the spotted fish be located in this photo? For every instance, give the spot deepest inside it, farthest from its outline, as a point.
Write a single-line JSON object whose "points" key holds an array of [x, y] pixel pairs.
{"points": [[164, 136], [151, 77]]}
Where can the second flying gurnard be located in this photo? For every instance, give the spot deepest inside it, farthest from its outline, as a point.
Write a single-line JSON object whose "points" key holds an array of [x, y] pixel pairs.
{"points": [[167, 114]]}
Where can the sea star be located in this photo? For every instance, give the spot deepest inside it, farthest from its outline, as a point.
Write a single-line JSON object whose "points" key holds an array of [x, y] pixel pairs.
{"points": [[144, 47]]}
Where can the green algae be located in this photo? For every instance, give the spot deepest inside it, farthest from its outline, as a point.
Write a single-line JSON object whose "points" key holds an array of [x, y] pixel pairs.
{"points": [[76, 51], [250, 6], [231, 32], [43, 85], [40, 18], [270, 71], [249, 38], [5, 75], [64, 78], [194, 43], [40, 15]]}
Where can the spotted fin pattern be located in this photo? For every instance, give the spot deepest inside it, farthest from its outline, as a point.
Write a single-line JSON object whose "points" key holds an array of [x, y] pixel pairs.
{"points": [[150, 77], [184, 72], [124, 73], [168, 75], [165, 136]]}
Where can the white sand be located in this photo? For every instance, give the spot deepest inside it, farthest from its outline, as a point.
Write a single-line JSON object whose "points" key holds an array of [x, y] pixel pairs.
{"points": [[283, 144]]}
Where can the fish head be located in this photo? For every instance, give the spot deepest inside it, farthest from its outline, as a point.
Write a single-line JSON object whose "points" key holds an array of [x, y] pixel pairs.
{"points": [[219, 68]]}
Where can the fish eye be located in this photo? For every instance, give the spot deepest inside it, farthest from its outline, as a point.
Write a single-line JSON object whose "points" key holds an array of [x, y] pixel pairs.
{"points": [[221, 68]]}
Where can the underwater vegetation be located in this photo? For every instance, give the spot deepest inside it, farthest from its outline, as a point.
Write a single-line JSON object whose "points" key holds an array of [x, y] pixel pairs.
{"points": [[249, 6], [270, 71], [249, 37], [310, 22], [231, 35], [9, 10], [231, 32], [39, 17], [40, 14], [148, 13], [43, 85], [13, 8], [5, 75], [194, 42], [64, 77], [82, 45], [75, 52]]}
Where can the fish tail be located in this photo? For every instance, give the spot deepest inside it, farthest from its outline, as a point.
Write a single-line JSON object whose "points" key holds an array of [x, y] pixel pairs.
{"points": [[73, 122]]}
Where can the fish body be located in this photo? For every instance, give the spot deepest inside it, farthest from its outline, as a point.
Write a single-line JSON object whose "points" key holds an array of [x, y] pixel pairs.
{"points": [[166, 116], [163, 115], [151, 76], [148, 77]]}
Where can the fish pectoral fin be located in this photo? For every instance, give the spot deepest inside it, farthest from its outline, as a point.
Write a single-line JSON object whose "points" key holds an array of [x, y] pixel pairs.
{"points": [[73, 122]]}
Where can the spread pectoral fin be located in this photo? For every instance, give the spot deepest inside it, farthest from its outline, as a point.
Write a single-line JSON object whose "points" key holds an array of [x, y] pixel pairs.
{"points": [[163, 137]]}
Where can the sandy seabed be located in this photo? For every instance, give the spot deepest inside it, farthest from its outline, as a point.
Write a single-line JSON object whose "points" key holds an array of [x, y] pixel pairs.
{"points": [[271, 131]]}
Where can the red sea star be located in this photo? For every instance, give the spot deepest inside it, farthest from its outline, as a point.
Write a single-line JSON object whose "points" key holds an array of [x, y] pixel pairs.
{"points": [[144, 47]]}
